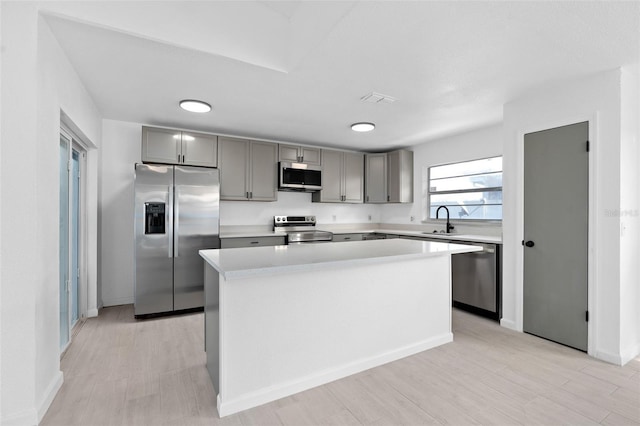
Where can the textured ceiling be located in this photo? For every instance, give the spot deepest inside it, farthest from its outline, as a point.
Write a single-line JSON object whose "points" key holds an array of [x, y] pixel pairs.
{"points": [[295, 71]]}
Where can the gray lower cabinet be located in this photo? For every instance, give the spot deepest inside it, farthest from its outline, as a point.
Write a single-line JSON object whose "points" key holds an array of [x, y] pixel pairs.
{"points": [[251, 242], [248, 169], [389, 177], [170, 146], [299, 154], [347, 237], [342, 177]]}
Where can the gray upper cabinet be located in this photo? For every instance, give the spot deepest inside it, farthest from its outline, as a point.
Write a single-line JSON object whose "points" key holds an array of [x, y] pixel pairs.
{"points": [[178, 147], [299, 154], [248, 169], [353, 177], [263, 170], [400, 176], [389, 177], [376, 178], [342, 177]]}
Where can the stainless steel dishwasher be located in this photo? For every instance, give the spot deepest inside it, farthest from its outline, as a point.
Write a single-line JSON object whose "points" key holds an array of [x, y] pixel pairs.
{"points": [[476, 280]]}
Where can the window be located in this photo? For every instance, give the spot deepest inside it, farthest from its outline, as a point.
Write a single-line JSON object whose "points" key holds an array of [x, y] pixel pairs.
{"points": [[471, 190]]}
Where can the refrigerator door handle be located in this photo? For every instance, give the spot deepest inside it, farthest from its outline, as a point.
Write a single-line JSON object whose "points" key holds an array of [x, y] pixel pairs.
{"points": [[176, 222], [169, 219]]}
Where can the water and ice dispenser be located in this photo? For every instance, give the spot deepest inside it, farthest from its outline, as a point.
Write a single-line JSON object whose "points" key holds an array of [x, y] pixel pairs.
{"points": [[154, 218]]}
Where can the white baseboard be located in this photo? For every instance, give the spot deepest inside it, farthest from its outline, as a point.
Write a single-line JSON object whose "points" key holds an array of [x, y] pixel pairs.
{"points": [[506, 323], [630, 354], [92, 313], [34, 416], [49, 395], [282, 390], [23, 418], [116, 301], [618, 359], [609, 357]]}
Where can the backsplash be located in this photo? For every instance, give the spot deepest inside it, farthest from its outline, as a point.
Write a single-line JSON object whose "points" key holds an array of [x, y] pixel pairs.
{"points": [[260, 215], [297, 204]]}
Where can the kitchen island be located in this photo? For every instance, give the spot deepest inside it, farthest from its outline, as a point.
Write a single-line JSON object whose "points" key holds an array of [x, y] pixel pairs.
{"points": [[282, 319]]}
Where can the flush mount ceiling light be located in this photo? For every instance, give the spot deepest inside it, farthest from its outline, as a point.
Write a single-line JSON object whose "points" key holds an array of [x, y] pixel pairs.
{"points": [[193, 105], [363, 127]]}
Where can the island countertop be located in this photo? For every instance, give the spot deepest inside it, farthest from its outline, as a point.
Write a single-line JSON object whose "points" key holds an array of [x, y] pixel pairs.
{"points": [[244, 262]]}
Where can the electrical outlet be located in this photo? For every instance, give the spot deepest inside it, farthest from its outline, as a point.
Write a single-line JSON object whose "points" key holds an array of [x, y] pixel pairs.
{"points": [[333, 217], [412, 218], [369, 218]]}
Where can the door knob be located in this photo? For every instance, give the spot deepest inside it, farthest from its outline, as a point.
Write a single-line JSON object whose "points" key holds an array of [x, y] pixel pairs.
{"points": [[529, 243]]}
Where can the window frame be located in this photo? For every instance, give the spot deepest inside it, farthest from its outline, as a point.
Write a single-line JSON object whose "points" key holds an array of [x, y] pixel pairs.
{"points": [[429, 219]]}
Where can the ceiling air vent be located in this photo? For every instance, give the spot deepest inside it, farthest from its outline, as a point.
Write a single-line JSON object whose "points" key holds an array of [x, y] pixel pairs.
{"points": [[378, 98]]}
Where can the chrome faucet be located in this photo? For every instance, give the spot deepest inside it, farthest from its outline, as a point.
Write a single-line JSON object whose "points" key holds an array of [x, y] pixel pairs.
{"points": [[449, 225]]}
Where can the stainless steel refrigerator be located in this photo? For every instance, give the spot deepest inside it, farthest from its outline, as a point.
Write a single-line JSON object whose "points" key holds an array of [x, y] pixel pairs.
{"points": [[176, 214]]}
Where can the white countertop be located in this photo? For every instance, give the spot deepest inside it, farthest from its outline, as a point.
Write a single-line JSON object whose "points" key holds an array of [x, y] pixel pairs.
{"points": [[451, 237], [262, 232], [243, 262]]}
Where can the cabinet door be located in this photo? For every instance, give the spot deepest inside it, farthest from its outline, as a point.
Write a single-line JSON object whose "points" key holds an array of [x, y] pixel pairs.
{"points": [[233, 155], [332, 190], [353, 177], [251, 242], [400, 176], [310, 155], [288, 153], [339, 238], [160, 145], [376, 178], [199, 149], [263, 171]]}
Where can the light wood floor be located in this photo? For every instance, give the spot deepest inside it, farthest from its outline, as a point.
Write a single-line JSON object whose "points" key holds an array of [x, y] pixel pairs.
{"points": [[119, 371]]}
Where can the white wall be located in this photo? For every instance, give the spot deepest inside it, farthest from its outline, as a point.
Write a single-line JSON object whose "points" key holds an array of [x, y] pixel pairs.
{"points": [[294, 203], [630, 214], [597, 99], [120, 152], [480, 143], [37, 82]]}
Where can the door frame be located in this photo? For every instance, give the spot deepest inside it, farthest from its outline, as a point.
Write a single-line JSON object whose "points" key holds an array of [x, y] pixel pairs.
{"points": [[78, 145], [593, 247]]}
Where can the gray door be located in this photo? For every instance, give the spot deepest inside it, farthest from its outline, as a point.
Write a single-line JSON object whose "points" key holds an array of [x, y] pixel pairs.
{"points": [[556, 184], [196, 218]]}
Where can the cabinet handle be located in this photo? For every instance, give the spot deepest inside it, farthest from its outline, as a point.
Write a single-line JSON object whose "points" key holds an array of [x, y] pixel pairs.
{"points": [[255, 242], [388, 197], [183, 158], [347, 238], [250, 194], [246, 194], [178, 158]]}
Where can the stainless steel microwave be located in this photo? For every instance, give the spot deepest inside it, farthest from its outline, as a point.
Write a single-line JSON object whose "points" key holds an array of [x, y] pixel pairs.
{"points": [[299, 177]]}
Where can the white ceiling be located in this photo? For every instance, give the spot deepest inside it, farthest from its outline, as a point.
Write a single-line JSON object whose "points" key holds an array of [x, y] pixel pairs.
{"points": [[296, 70]]}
